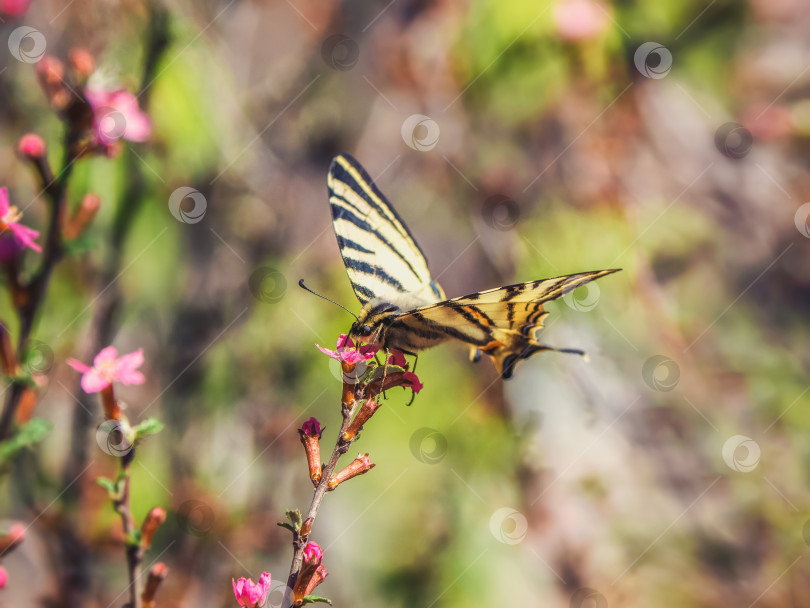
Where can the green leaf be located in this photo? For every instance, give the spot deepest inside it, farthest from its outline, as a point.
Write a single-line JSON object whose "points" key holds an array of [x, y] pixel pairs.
{"points": [[294, 515], [150, 426], [31, 433], [287, 525], [311, 599], [133, 539], [113, 487]]}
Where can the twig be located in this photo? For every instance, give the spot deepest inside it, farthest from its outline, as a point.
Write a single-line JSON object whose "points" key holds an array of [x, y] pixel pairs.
{"points": [[134, 551], [299, 540]]}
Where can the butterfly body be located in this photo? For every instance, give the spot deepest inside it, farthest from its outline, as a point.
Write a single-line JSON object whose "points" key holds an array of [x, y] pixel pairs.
{"points": [[404, 308]]}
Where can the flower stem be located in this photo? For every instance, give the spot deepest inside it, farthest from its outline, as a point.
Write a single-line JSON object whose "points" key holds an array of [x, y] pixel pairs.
{"points": [[341, 447]]}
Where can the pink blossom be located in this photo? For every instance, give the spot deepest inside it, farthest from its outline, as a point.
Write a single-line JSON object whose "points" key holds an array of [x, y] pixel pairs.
{"points": [[116, 115], [14, 237], [14, 8], [3, 577], [250, 594], [398, 358], [413, 381], [578, 20], [346, 352], [31, 145], [108, 367], [313, 554]]}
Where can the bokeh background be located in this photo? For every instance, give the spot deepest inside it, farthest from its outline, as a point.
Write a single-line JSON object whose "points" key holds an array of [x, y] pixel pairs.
{"points": [[519, 140]]}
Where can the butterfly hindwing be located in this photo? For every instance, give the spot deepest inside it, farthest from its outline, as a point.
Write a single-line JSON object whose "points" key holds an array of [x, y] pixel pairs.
{"points": [[498, 322], [381, 256]]}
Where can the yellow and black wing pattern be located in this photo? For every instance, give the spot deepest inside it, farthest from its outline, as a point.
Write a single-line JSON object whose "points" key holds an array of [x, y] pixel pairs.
{"points": [[379, 252], [500, 322]]}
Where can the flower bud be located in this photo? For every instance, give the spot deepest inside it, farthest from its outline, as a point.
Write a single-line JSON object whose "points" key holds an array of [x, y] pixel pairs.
{"points": [[317, 579], [154, 519], [313, 556], [11, 537], [310, 433], [157, 573], [31, 146], [51, 75], [81, 218], [82, 64], [366, 411], [358, 466], [8, 359]]}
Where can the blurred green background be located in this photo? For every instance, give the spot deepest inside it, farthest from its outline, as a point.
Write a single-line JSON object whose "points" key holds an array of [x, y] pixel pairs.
{"points": [[671, 469]]}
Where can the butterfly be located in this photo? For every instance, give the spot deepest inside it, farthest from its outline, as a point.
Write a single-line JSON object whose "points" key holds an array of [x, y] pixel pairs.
{"points": [[404, 308]]}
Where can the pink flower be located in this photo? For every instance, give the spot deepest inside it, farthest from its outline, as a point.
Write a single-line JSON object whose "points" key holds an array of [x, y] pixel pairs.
{"points": [[413, 381], [14, 8], [108, 367], [578, 20], [250, 594], [31, 145], [3, 577], [313, 554], [398, 358], [116, 115], [14, 237], [346, 352]]}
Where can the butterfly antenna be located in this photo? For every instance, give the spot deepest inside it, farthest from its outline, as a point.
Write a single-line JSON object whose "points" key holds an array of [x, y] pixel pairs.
{"points": [[301, 284]]}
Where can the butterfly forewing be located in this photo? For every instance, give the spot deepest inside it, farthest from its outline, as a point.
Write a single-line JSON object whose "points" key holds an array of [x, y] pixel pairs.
{"points": [[385, 265], [379, 252]]}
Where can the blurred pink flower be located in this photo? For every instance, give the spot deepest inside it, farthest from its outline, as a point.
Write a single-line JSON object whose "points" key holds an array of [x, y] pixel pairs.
{"points": [[14, 8], [3, 577], [108, 367], [313, 554], [14, 237], [31, 145], [346, 352], [116, 115], [578, 20], [250, 594]]}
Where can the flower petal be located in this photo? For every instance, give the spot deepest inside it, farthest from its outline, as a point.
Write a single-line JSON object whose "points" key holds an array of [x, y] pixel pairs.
{"points": [[126, 366], [79, 366], [93, 381], [105, 355], [4, 201], [25, 235]]}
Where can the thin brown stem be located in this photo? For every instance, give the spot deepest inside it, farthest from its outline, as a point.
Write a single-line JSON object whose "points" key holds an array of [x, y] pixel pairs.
{"points": [[134, 552], [341, 447]]}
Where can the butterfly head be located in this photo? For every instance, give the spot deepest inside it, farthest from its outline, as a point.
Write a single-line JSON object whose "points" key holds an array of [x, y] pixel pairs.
{"points": [[370, 324]]}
